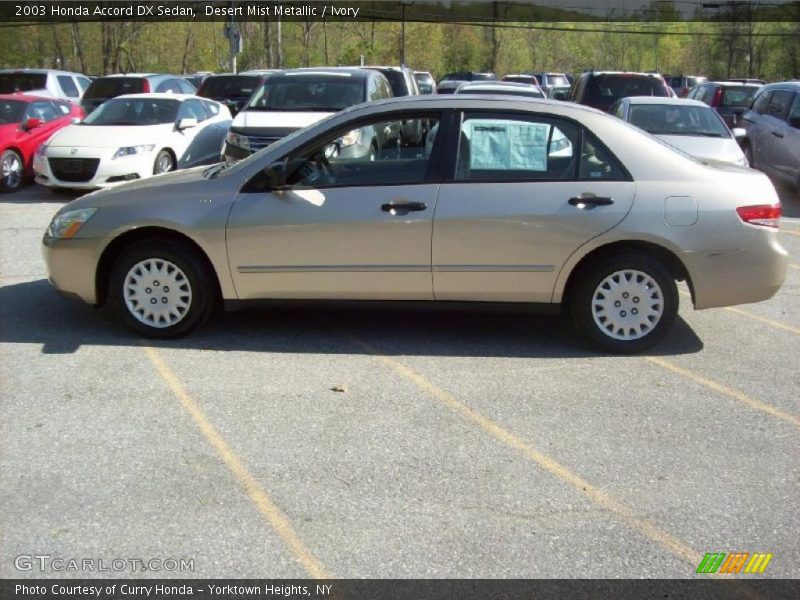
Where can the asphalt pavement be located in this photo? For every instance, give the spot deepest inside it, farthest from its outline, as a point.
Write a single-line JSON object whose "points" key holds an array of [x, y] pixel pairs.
{"points": [[348, 441]]}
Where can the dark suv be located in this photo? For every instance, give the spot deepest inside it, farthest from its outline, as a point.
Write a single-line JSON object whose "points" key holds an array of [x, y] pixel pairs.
{"points": [[731, 100], [111, 86], [403, 83], [601, 89], [231, 90]]}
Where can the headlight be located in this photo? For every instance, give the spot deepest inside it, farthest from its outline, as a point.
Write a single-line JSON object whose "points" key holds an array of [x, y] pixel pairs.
{"points": [[350, 138], [131, 150], [66, 225], [240, 141], [41, 150]]}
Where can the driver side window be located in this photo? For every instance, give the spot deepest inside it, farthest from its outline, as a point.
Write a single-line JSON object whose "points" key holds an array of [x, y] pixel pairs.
{"points": [[372, 154]]}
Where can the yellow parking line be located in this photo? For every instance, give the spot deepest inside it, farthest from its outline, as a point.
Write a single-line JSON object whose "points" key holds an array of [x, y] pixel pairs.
{"points": [[726, 391], [596, 495], [274, 516], [755, 317]]}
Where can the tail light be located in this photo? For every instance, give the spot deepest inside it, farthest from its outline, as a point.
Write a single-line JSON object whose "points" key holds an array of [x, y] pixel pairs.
{"points": [[199, 91], [146, 87], [717, 99], [767, 215], [684, 92]]}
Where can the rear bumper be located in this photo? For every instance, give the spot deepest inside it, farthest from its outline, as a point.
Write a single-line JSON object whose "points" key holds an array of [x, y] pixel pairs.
{"points": [[738, 276]]}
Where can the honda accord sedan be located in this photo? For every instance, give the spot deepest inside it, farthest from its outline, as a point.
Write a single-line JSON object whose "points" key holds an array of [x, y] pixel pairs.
{"points": [[487, 213]]}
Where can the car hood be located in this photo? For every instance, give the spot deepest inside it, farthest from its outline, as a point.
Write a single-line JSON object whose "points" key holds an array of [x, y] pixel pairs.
{"points": [[722, 149], [102, 136], [269, 118]]}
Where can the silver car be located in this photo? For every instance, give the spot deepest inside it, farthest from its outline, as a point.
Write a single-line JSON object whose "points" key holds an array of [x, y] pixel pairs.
{"points": [[490, 215], [772, 126]]}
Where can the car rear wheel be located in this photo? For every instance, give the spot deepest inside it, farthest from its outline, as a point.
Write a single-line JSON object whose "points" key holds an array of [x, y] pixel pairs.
{"points": [[625, 303], [164, 163], [11, 174], [161, 289]]}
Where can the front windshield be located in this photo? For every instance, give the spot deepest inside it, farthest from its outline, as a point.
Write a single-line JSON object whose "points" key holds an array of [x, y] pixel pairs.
{"points": [[134, 111], [672, 119], [11, 111], [308, 93]]}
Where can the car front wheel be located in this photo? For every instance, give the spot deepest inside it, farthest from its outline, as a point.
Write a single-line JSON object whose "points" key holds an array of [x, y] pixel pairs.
{"points": [[161, 289], [11, 175], [164, 163], [625, 303]]}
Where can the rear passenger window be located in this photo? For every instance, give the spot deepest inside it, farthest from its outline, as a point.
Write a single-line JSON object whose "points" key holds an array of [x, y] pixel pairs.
{"points": [[212, 109], [516, 149], [597, 162], [68, 86], [62, 107], [780, 104]]}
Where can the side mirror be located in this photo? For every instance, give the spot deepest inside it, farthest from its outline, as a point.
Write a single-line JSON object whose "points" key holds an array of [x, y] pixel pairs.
{"points": [[275, 176], [186, 124], [738, 132], [795, 121], [31, 123]]}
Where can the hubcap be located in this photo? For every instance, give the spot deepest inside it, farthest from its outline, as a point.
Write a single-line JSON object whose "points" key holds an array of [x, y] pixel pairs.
{"points": [[627, 305], [157, 293], [12, 171]]}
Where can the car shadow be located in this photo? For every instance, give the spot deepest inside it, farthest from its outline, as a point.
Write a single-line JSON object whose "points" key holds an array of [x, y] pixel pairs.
{"points": [[31, 193], [33, 313]]}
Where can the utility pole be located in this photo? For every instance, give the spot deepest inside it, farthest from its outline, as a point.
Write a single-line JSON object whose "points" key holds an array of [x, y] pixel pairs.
{"points": [[402, 33], [234, 38]]}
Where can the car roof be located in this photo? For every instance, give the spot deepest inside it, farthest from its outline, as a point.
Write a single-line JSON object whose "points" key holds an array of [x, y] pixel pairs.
{"points": [[735, 83], [40, 71], [27, 97], [160, 96], [143, 75], [499, 85], [355, 72], [663, 100], [792, 86]]}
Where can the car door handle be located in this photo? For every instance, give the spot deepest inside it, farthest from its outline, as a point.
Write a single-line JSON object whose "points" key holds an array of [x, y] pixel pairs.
{"points": [[777, 134], [402, 208], [589, 202]]}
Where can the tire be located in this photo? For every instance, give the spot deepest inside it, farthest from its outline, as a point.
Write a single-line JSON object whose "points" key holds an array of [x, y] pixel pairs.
{"points": [[141, 274], [164, 163], [613, 318], [748, 154], [11, 171]]}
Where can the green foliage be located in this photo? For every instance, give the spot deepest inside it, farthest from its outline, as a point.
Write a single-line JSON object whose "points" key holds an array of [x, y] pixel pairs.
{"points": [[726, 50]]}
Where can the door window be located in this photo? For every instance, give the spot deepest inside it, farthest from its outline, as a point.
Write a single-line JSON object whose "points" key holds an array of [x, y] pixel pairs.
{"points": [[43, 111], [68, 86], [365, 156], [780, 104], [795, 112], [516, 149], [192, 109], [762, 102]]}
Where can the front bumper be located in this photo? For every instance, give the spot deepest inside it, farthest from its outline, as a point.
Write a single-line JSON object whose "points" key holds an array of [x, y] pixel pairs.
{"points": [[738, 276], [72, 265], [109, 173]]}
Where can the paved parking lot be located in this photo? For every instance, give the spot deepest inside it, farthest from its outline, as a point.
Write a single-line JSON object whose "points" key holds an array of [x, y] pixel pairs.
{"points": [[365, 442]]}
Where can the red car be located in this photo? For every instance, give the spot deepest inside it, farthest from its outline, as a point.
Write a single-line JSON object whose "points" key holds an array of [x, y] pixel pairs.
{"points": [[25, 123]]}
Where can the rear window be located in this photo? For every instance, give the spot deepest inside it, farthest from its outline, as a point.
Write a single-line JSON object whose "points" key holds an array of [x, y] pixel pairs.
{"points": [[606, 89], [739, 97], [22, 82], [693, 81], [111, 87], [556, 79], [521, 79], [322, 93], [229, 86]]}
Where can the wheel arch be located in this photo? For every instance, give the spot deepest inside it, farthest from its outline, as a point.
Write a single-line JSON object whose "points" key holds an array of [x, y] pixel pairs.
{"points": [[115, 248], [676, 267]]}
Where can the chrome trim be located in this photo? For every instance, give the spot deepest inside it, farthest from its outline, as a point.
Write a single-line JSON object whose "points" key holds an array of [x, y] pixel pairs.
{"points": [[334, 269], [493, 268]]}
